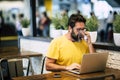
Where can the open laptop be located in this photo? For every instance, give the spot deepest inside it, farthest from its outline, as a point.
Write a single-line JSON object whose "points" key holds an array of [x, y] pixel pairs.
{"points": [[92, 63]]}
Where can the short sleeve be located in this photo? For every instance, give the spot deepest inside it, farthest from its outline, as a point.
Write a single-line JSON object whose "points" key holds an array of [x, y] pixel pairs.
{"points": [[53, 50]]}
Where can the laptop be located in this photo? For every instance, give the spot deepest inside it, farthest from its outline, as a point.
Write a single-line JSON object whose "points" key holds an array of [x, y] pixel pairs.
{"points": [[92, 63]]}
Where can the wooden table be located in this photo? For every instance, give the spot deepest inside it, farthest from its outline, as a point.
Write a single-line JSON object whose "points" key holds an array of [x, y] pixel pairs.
{"points": [[25, 54], [70, 76], [49, 76]]}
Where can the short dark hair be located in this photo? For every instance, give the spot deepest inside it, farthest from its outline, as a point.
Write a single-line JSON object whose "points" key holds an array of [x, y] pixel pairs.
{"points": [[21, 15], [75, 18]]}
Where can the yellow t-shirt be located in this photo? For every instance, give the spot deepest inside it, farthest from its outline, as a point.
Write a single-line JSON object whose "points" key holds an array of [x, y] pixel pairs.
{"points": [[67, 52]]}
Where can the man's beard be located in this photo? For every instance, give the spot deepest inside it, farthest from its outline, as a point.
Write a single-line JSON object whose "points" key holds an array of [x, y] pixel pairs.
{"points": [[75, 37]]}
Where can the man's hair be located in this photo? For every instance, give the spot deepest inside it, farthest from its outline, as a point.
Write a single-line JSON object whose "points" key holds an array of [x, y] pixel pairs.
{"points": [[75, 18]]}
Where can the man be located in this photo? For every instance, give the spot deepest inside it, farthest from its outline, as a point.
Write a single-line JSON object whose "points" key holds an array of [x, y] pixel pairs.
{"points": [[109, 28], [18, 24], [66, 52]]}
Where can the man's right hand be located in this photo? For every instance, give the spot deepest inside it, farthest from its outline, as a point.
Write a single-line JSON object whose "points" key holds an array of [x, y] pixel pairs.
{"points": [[73, 66]]}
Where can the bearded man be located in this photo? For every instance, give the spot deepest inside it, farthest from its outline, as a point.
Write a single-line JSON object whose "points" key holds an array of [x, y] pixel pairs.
{"points": [[66, 52]]}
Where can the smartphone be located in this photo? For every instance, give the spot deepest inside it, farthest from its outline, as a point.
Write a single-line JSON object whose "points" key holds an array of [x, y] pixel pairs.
{"points": [[85, 38]]}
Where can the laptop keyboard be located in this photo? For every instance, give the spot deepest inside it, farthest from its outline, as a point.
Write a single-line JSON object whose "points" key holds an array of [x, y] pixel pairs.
{"points": [[75, 71]]}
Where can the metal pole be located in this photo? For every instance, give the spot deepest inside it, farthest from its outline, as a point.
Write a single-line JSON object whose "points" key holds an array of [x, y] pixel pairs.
{"points": [[33, 17]]}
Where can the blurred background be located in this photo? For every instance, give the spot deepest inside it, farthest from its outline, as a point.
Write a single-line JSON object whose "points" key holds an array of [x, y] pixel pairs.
{"points": [[41, 13], [30, 25]]}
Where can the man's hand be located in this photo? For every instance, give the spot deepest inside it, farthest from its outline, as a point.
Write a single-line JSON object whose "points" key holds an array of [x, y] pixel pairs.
{"points": [[91, 48], [73, 66], [88, 37]]}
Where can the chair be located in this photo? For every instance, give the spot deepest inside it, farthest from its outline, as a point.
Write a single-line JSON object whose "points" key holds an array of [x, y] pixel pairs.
{"points": [[4, 70], [17, 65], [9, 68], [43, 63]]}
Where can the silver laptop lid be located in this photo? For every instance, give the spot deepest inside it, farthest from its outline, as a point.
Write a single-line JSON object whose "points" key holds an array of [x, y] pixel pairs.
{"points": [[93, 62]]}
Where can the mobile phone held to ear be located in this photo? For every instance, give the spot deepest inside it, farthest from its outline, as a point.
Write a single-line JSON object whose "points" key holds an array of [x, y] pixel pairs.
{"points": [[85, 38]]}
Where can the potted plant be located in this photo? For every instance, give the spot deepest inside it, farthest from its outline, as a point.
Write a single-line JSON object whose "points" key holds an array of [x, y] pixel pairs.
{"points": [[56, 22], [92, 26], [25, 27], [116, 27], [25, 23], [64, 24], [55, 27]]}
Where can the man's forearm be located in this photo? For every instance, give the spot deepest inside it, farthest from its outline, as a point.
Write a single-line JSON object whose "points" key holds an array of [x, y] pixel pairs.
{"points": [[91, 48], [54, 67]]}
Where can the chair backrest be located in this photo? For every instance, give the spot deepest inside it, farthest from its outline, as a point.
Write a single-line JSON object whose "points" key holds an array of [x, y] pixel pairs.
{"points": [[4, 70], [43, 62]]}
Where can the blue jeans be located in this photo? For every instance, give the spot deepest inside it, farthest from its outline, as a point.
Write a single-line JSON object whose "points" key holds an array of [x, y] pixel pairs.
{"points": [[19, 33], [46, 31]]}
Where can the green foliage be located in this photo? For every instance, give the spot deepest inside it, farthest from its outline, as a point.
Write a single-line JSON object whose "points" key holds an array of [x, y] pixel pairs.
{"points": [[92, 24], [116, 24], [25, 23], [64, 22], [60, 22], [56, 22]]}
